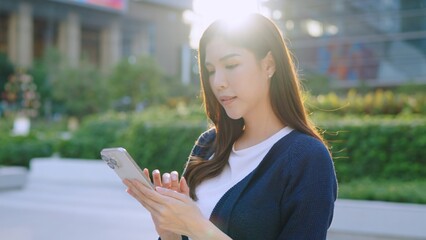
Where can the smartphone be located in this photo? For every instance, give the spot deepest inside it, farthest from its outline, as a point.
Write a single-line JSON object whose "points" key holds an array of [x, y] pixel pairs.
{"points": [[124, 166]]}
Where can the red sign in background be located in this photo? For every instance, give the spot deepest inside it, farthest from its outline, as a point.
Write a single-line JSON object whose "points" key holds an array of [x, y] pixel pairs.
{"points": [[119, 5]]}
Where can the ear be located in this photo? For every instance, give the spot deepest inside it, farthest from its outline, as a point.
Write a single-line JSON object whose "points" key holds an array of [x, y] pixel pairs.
{"points": [[268, 63]]}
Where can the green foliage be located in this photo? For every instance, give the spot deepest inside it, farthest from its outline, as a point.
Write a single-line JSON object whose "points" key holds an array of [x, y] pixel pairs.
{"points": [[6, 125], [315, 83], [44, 69], [384, 190], [141, 81], [39, 74], [19, 150], [177, 92], [180, 114], [81, 91], [382, 149], [379, 102], [392, 149], [411, 88], [160, 138], [161, 147], [6, 69], [94, 134]]}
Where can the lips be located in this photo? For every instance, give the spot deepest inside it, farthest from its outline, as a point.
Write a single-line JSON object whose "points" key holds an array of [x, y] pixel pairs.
{"points": [[227, 99]]}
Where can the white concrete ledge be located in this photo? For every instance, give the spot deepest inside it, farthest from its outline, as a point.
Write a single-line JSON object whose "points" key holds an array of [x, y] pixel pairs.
{"points": [[12, 177], [382, 220], [73, 171]]}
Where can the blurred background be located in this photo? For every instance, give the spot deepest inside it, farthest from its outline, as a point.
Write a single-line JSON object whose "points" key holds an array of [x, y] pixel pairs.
{"points": [[77, 76]]}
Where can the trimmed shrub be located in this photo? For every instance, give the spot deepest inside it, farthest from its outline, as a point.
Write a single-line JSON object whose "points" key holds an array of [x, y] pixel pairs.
{"points": [[164, 147], [386, 150], [94, 134], [385, 190], [378, 102], [378, 148], [80, 91], [19, 150], [164, 141]]}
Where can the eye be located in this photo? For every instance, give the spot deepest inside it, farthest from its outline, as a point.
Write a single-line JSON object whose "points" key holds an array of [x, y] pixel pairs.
{"points": [[231, 66], [210, 72]]}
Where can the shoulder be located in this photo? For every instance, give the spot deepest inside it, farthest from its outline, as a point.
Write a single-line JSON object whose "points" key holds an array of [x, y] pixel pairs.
{"points": [[306, 145], [207, 137], [306, 152], [204, 143], [299, 144]]}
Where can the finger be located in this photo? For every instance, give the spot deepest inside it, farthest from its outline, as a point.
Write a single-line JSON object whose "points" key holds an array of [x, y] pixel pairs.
{"points": [[149, 198], [147, 206], [183, 185], [133, 192], [127, 183], [166, 180], [138, 190], [157, 178], [173, 194], [146, 172], [174, 177], [134, 195]]}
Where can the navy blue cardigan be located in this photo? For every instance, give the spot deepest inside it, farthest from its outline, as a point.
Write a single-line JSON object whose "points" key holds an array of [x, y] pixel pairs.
{"points": [[290, 195]]}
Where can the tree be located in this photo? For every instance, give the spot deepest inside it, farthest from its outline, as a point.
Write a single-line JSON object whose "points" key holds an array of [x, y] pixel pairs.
{"points": [[139, 81], [80, 91], [6, 69]]}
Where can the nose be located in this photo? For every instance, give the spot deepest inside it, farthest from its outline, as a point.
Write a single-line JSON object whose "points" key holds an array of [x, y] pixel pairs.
{"points": [[219, 80]]}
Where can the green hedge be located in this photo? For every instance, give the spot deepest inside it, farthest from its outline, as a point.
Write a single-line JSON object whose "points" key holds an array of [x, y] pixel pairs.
{"points": [[94, 134], [382, 148], [163, 144], [385, 190], [378, 150], [161, 147], [19, 150], [378, 102]]}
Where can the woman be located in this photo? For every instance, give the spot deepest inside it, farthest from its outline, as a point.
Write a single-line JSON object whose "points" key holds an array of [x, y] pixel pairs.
{"points": [[262, 171]]}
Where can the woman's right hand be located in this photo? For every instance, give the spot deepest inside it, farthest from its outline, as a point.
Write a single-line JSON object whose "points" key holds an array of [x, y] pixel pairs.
{"points": [[170, 181]]}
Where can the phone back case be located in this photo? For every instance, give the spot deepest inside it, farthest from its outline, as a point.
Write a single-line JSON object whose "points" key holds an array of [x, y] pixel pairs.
{"points": [[123, 164]]}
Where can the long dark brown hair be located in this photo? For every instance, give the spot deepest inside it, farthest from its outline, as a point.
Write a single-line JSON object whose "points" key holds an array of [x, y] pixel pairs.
{"points": [[259, 35]]}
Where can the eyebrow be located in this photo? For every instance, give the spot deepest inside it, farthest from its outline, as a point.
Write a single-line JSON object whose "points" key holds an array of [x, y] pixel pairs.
{"points": [[226, 57]]}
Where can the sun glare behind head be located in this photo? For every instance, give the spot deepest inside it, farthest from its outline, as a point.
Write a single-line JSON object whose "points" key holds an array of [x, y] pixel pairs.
{"points": [[232, 24], [233, 12]]}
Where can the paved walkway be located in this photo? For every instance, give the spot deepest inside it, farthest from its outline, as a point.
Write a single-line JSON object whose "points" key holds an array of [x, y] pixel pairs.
{"points": [[65, 201], [76, 199]]}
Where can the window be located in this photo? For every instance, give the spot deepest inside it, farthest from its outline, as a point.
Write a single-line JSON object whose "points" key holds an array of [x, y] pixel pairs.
{"points": [[45, 36], [90, 44]]}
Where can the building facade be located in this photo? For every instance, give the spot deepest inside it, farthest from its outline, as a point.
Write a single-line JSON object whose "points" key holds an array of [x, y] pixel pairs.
{"points": [[102, 31], [373, 42]]}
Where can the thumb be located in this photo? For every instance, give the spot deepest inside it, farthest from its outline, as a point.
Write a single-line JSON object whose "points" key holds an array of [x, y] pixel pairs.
{"points": [[183, 185]]}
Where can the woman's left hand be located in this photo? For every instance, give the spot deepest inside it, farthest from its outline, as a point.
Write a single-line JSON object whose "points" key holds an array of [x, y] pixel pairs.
{"points": [[173, 211]]}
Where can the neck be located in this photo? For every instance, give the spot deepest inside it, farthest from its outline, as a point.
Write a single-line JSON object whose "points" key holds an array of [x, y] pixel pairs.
{"points": [[258, 129]]}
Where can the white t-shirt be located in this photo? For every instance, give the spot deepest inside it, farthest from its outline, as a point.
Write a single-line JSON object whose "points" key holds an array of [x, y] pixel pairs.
{"points": [[240, 164]]}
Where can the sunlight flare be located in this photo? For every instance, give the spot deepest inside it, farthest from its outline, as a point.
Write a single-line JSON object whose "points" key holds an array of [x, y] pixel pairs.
{"points": [[206, 11]]}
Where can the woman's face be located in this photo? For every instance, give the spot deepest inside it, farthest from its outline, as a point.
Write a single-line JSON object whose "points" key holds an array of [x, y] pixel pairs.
{"points": [[239, 81]]}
